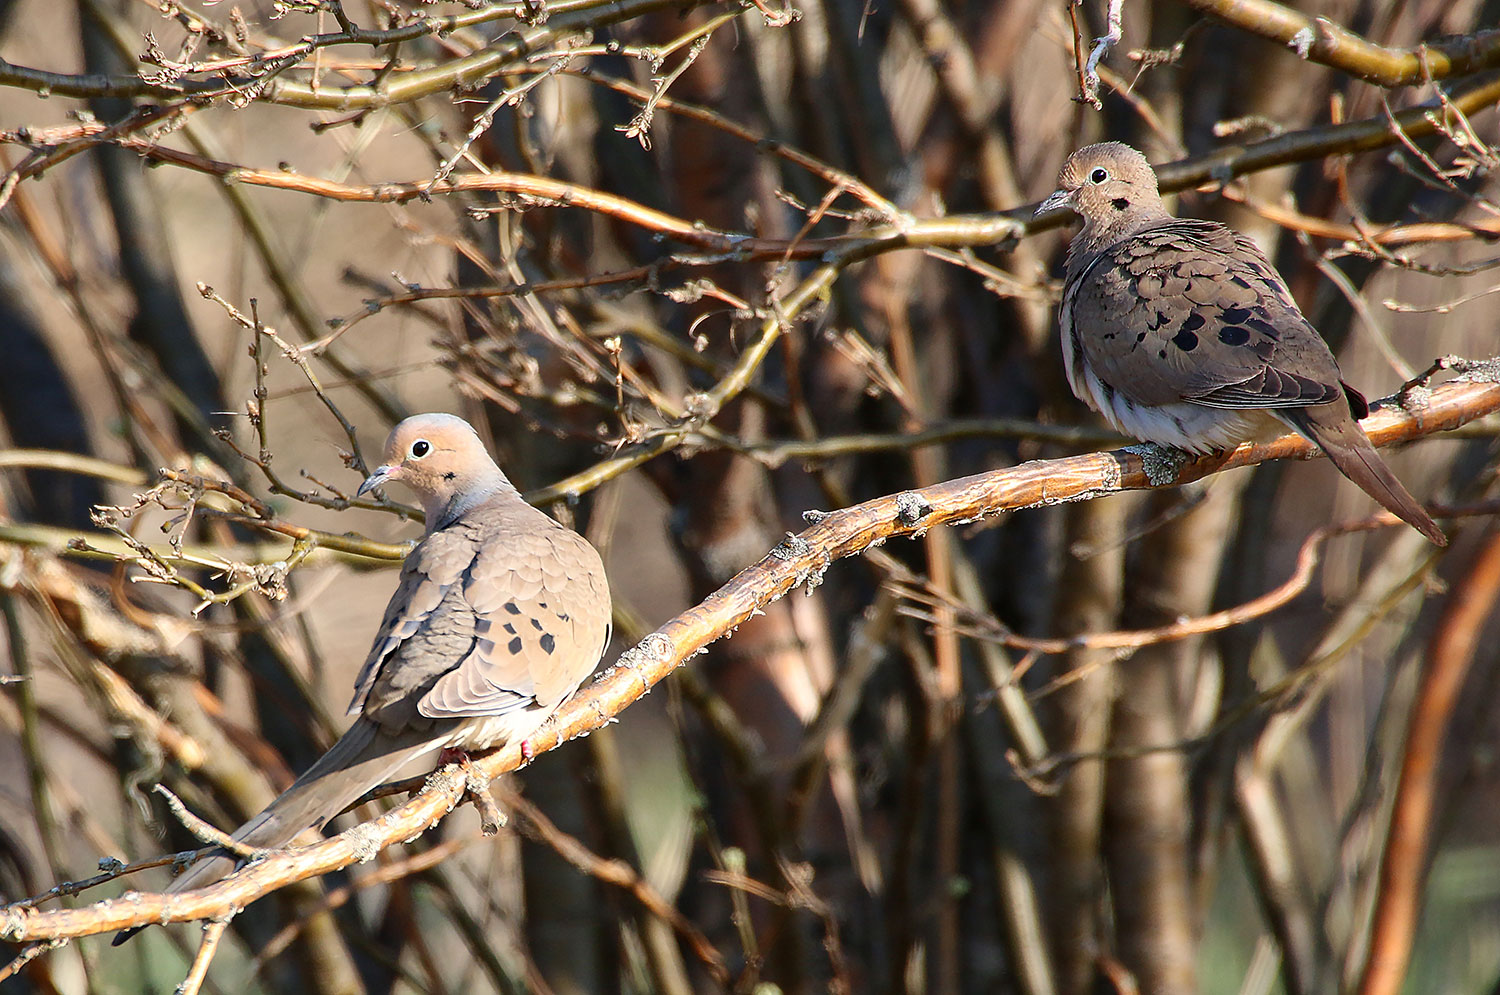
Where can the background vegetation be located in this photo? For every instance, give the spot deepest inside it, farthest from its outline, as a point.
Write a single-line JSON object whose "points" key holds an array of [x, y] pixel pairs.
{"points": [[697, 269]]}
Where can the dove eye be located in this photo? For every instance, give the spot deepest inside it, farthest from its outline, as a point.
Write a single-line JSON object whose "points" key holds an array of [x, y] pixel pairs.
{"points": [[420, 448], [1099, 175]]}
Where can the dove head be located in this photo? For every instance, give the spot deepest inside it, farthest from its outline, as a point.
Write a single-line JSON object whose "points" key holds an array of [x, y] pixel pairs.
{"points": [[1113, 188], [442, 460]]}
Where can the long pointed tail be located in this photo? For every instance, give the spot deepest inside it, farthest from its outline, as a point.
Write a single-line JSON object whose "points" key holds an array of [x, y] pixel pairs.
{"points": [[1347, 446], [362, 758]]}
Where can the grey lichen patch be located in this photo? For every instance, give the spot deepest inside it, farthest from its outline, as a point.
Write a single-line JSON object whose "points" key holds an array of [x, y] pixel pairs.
{"points": [[911, 508], [363, 840], [791, 547], [1416, 394], [1113, 474], [1476, 370], [1416, 398], [1160, 463], [475, 781], [446, 780], [813, 516]]}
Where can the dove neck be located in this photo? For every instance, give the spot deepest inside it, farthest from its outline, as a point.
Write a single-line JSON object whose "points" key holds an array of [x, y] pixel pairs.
{"points": [[443, 510], [1097, 235]]}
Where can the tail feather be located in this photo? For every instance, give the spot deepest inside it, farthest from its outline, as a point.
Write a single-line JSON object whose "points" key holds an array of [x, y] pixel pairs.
{"points": [[361, 759], [1349, 449]]}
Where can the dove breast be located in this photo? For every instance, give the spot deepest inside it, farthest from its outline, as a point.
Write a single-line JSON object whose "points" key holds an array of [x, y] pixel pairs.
{"points": [[497, 620]]}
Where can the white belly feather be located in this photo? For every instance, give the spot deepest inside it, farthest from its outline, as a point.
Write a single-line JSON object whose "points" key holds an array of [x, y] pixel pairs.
{"points": [[1194, 428]]}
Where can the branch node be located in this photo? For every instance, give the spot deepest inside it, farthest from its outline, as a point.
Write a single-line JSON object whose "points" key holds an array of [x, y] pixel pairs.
{"points": [[1302, 42], [791, 547], [640, 657], [911, 508], [477, 788]]}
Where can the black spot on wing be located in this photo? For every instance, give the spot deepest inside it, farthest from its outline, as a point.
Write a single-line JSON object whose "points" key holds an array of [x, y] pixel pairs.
{"points": [[1185, 340], [513, 608], [1234, 335], [1192, 322], [1236, 315], [548, 644], [1263, 326], [514, 646]]}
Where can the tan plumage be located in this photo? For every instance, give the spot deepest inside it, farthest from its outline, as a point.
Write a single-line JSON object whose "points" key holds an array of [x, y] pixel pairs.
{"points": [[499, 615], [1182, 333]]}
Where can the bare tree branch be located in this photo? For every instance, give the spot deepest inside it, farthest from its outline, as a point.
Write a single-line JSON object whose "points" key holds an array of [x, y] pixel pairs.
{"points": [[795, 562]]}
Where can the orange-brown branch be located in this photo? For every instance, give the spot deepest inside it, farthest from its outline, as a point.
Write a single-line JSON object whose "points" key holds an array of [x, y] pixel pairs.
{"points": [[802, 557], [1405, 860]]}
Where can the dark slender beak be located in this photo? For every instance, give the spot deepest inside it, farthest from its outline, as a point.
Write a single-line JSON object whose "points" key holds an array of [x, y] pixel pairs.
{"points": [[1058, 200], [374, 480]]}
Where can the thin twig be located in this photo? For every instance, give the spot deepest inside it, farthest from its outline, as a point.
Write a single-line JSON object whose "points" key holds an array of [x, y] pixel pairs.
{"points": [[203, 830], [213, 932]]}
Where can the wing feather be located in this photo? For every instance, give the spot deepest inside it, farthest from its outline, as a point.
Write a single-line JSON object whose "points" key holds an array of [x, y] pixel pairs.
{"points": [[1192, 311]]}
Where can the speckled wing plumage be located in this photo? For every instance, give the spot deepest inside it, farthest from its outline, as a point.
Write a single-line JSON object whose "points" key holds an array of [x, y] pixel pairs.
{"points": [[490, 617], [1181, 332], [498, 617], [1191, 311]]}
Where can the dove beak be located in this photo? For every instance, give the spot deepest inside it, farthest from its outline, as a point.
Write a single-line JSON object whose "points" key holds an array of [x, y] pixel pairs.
{"points": [[1058, 200], [374, 480]]}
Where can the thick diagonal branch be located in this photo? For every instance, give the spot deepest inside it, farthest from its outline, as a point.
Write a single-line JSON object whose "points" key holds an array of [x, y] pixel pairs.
{"points": [[800, 558]]}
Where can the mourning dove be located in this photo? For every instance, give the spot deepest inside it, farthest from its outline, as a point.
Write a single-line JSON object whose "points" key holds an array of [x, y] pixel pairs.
{"points": [[499, 615], [1182, 333]]}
